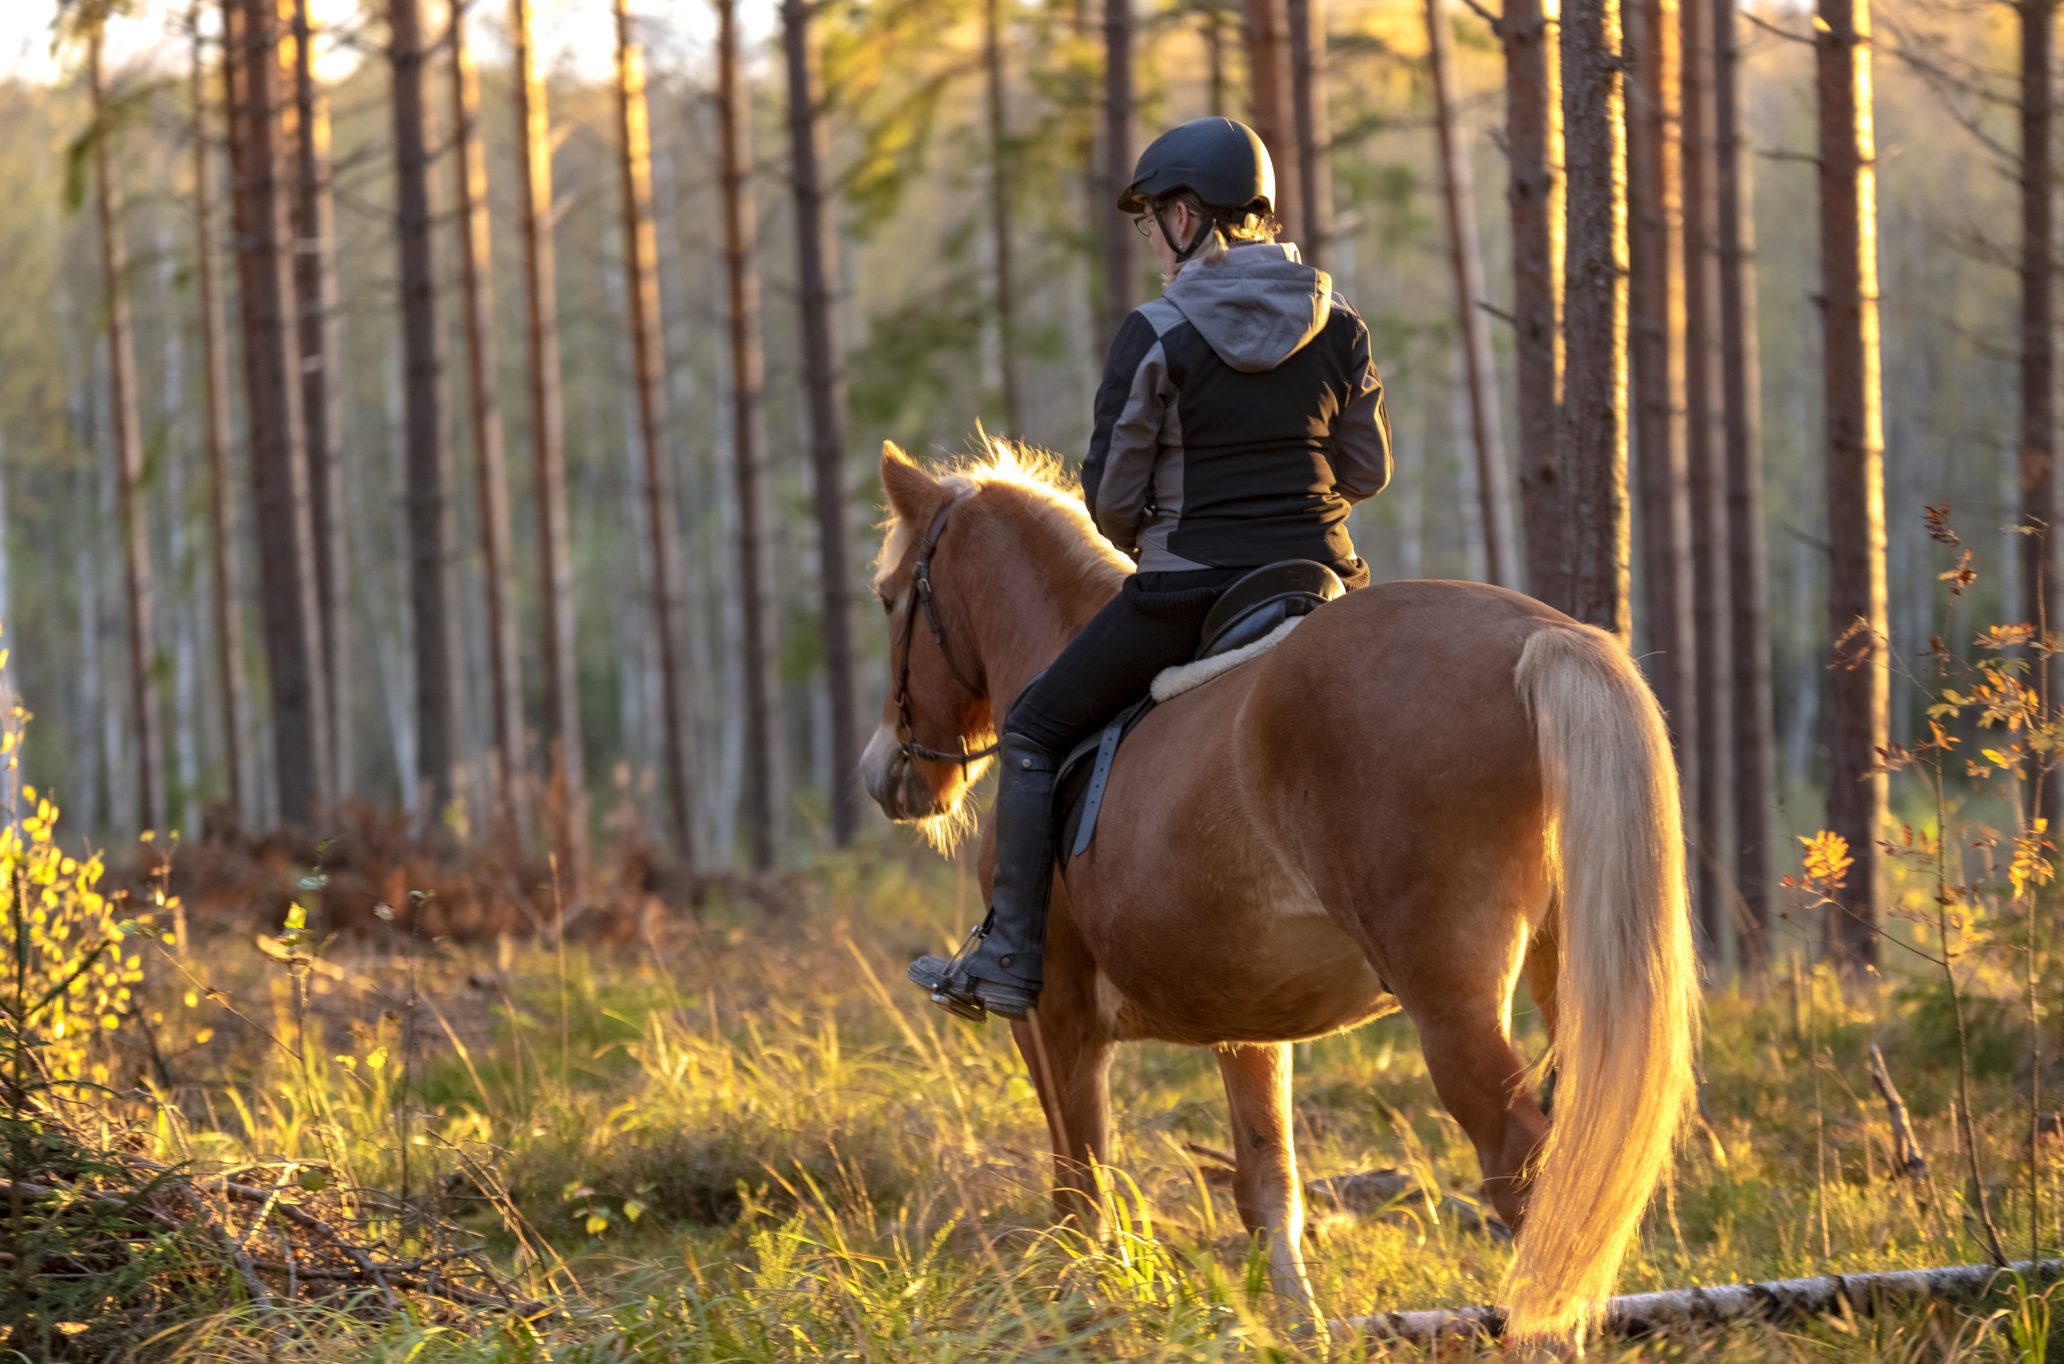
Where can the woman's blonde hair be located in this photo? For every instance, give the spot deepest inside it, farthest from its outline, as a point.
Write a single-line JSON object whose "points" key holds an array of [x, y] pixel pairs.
{"points": [[1226, 232]]}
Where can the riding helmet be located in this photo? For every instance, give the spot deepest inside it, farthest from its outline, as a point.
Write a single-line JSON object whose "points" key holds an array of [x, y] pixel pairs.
{"points": [[1220, 160]]}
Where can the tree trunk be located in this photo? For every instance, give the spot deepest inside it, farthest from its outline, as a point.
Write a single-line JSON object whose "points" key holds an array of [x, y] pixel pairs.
{"points": [[315, 293], [1266, 31], [763, 737], [1004, 296], [648, 340], [1859, 684], [1705, 455], [222, 536], [490, 463], [126, 436], [1121, 278], [1533, 132], [1307, 33], [279, 486], [427, 510], [1748, 557], [1656, 299], [1594, 425], [824, 382], [2040, 552], [562, 728], [1211, 27], [1493, 478]]}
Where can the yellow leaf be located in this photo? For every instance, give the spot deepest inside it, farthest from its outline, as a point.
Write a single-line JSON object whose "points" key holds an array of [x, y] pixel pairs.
{"points": [[376, 1059], [1997, 758]]}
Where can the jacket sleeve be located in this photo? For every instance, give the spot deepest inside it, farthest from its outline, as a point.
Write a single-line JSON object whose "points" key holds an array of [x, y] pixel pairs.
{"points": [[1361, 431], [1118, 473]]}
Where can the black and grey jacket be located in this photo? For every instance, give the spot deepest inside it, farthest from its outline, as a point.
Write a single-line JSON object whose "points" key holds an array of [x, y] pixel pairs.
{"points": [[1239, 417]]}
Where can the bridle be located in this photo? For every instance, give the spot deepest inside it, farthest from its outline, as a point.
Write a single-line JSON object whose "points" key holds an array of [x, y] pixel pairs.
{"points": [[920, 594]]}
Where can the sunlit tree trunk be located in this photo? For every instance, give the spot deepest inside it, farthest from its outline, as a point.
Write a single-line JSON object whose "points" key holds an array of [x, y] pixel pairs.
{"points": [[763, 737], [824, 382], [1003, 293], [1594, 419], [2040, 553], [427, 495], [1748, 559], [1312, 130], [490, 463], [222, 537], [279, 487], [1121, 278], [562, 727], [1493, 476], [1656, 302], [127, 439], [1533, 133], [315, 294], [1705, 455], [641, 288], [1859, 683], [1265, 28]]}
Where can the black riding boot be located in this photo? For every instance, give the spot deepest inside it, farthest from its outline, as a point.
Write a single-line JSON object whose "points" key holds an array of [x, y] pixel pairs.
{"points": [[997, 970]]}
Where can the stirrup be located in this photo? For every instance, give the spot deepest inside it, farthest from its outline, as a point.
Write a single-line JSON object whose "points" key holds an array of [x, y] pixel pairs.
{"points": [[947, 981]]}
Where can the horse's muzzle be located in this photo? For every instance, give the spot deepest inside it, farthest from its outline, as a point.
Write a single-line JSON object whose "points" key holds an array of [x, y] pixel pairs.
{"points": [[895, 783]]}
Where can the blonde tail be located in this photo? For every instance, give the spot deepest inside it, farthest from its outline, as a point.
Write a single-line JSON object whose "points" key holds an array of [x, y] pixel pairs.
{"points": [[1628, 996]]}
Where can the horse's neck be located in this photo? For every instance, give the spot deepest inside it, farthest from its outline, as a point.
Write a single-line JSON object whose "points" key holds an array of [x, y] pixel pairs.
{"points": [[1038, 606]]}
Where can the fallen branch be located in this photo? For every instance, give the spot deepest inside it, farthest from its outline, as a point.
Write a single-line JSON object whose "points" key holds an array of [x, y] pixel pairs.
{"points": [[1641, 1314], [1907, 1156]]}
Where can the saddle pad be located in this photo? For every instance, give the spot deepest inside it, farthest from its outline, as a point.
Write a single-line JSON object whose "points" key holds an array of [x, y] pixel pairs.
{"points": [[1173, 682]]}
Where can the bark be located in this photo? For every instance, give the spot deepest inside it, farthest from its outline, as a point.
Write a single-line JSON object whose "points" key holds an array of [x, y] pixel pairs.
{"points": [[641, 289], [1266, 31], [1859, 684], [1121, 278], [126, 436], [222, 537], [2041, 552], [1780, 1300], [1533, 131], [1493, 478], [1748, 557], [279, 473], [1594, 425], [1705, 456], [490, 463], [315, 294], [817, 308], [1307, 33], [1211, 27], [1004, 296], [1656, 301], [763, 737], [562, 727]]}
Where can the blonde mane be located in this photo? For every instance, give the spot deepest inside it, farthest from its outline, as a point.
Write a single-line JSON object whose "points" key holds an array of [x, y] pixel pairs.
{"points": [[1039, 480]]}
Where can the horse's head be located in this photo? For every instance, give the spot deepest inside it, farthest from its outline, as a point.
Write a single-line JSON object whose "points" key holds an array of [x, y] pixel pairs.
{"points": [[938, 708]]}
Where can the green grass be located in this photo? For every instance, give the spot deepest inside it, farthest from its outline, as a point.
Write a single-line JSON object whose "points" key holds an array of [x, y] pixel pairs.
{"points": [[748, 1141]]}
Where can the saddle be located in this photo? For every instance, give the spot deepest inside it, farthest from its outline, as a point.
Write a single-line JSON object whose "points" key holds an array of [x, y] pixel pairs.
{"points": [[1248, 618]]}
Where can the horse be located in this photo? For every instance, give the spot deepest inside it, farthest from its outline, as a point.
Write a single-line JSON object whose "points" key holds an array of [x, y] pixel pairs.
{"points": [[1427, 792]]}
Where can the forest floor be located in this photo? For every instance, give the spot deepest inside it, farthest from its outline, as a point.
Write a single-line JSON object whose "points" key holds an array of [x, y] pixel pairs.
{"points": [[742, 1137]]}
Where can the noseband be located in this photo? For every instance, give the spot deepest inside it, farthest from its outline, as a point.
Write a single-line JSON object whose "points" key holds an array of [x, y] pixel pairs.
{"points": [[921, 595]]}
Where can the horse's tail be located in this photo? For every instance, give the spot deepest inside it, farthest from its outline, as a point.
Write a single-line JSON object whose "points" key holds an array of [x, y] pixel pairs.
{"points": [[1627, 994]]}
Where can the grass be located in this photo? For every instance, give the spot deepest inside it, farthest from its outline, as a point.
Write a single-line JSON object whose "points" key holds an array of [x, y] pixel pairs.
{"points": [[745, 1140]]}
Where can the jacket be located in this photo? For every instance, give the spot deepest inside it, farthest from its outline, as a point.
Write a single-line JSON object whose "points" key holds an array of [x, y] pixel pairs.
{"points": [[1239, 417]]}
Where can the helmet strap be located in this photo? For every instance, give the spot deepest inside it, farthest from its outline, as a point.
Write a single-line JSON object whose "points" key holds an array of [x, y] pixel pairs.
{"points": [[1183, 253]]}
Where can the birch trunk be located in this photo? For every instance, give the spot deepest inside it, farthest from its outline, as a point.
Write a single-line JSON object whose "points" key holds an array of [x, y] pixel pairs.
{"points": [[1859, 684], [824, 382], [126, 437]]}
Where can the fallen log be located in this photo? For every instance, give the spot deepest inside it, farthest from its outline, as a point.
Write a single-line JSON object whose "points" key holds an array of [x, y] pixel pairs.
{"points": [[1643, 1314]]}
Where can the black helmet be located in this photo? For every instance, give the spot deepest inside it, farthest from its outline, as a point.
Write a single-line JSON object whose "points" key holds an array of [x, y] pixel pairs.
{"points": [[1220, 160]]}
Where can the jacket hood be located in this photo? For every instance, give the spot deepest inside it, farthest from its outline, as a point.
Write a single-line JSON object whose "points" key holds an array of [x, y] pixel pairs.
{"points": [[1256, 306]]}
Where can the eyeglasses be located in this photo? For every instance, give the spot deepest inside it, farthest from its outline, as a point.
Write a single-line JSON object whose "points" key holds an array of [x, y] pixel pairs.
{"points": [[1140, 222]]}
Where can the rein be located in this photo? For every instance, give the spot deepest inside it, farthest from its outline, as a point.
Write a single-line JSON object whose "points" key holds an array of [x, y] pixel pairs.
{"points": [[921, 595]]}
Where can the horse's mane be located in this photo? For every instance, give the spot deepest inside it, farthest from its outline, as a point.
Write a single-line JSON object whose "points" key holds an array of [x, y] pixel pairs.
{"points": [[1038, 481]]}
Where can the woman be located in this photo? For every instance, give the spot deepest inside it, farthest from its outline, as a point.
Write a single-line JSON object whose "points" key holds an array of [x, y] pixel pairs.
{"points": [[1239, 418]]}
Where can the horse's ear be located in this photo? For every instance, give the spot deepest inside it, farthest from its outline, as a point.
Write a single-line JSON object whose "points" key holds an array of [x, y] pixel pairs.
{"points": [[914, 495]]}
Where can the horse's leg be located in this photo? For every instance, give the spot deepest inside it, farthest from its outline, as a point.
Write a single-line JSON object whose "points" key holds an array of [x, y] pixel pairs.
{"points": [[1265, 1185], [1066, 1046], [1482, 1083]]}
